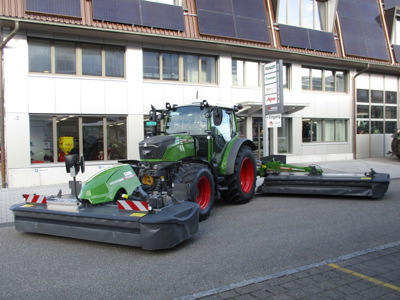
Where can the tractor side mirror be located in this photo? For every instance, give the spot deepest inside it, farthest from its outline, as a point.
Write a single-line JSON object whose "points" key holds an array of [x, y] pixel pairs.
{"points": [[73, 164], [153, 113], [217, 116]]}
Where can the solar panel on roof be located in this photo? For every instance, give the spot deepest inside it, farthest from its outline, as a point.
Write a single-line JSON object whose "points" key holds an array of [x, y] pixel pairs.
{"points": [[249, 8], [118, 11], [139, 12], [304, 38], [57, 7], [376, 50], [396, 49], [252, 29], [216, 24], [242, 19], [322, 41], [162, 16], [220, 6], [293, 36], [362, 32]]}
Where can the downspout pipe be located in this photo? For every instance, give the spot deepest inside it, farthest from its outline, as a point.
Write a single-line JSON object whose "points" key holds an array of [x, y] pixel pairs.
{"points": [[355, 110], [4, 183]]}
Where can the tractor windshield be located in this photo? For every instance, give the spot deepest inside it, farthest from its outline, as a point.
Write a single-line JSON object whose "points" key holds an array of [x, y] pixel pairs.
{"points": [[187, 120]]}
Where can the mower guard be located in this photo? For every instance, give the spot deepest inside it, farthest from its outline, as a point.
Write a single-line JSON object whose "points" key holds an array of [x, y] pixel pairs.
{"points": [[161, 229], [362, 185]]}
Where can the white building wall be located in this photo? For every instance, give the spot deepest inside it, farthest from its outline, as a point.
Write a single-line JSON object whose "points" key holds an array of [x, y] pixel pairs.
{"points": [[27, 93]]}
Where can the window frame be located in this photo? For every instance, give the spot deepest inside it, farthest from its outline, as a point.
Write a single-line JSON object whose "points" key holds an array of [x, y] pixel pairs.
{"points": [[181, 67], [107, 122], [321, 131], [79, 46], [286, 12], [336, 82]]}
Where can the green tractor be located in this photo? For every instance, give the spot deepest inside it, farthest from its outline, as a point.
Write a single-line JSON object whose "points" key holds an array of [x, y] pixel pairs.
{"points": [[199, 150]]}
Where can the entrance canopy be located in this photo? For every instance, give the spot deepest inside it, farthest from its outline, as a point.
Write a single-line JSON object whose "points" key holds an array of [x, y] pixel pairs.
{"points": [[255, 108]]}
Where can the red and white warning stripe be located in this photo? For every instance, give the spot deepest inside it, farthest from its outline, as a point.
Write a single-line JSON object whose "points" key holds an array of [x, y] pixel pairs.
{"points": [[133, 205], [32, 198]]}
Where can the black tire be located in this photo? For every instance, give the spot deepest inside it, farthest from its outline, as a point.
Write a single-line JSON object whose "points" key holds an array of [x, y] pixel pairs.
{"points": [[242, 182], [396, 147], [201, 186]]}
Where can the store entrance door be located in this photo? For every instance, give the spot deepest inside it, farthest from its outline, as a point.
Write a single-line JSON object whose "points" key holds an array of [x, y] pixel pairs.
{"points": [[258, 137]]}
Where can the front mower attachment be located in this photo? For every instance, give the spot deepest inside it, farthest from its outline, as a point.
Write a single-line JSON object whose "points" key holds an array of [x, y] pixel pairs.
{"points": [[160, 229], [281, 178]]}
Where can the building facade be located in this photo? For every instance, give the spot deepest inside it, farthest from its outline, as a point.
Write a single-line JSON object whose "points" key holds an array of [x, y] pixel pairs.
{"points": [[80, 76]]}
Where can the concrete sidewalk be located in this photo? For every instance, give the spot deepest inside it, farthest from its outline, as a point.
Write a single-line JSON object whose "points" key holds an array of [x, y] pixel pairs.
{"points": [[370, 274]]}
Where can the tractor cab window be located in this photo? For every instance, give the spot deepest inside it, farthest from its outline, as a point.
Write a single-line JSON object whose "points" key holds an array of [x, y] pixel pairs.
{"points": [[187, 120], [223, 132]]}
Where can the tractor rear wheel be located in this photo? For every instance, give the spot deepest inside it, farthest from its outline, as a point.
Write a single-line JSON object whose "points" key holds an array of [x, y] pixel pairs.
{"points": [[242, 182], [396, 147], [201, 185]]}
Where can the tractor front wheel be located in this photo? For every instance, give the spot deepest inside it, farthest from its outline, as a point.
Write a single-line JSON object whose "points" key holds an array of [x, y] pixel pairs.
{"points": [[201, 186], [241, 183], [396, 147]]}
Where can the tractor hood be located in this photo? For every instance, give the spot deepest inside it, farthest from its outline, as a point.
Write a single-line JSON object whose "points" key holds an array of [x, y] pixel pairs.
{"points": [[166, 147]]}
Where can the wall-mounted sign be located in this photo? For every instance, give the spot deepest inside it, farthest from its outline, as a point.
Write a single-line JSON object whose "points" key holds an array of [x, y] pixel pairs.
{"points": [[273, 87]]}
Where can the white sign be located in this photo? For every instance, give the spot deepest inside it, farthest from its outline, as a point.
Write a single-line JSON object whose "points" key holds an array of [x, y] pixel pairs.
{"points": [[274, 120], [272, 88]]}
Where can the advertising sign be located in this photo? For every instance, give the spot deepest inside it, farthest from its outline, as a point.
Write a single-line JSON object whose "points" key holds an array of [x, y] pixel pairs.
{"points": [[273, 88], [274, 120]]}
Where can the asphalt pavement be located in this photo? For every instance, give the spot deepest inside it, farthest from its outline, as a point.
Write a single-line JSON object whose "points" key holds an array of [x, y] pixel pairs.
{"points": [[297, 253]]}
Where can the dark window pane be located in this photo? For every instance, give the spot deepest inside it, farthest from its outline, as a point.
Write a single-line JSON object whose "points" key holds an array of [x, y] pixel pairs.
{"points": [[115, 62], [208, 69], [170, 66], [39, 56], [362, 127], [376, 112], [376, 127], [391, 97], [340, 81], [305, 78], [91, 60], [390, 127], [329, 81], [65, 58], [190, 68], [41, 138], [376, 96], [151, 65], [116, 138], [362, 95], [93, 138], [390, 112], [306, 131], [362, 112], [68, 136], [316, 79]]}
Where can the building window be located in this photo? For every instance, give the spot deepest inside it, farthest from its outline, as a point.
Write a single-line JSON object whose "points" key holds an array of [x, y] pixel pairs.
{"points": [[284, 136], [303, 13], [96, 137], [396, 31], [57, 57], [245, 73], [40, 56], [324, 130], [376, 111], [179, 67], [323, 80]]}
